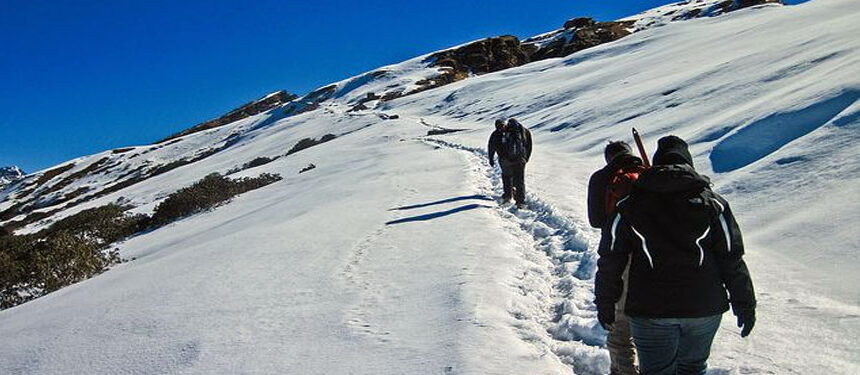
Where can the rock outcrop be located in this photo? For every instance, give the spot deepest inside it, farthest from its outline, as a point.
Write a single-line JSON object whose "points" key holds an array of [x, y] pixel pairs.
{"points": [[577, 35], [256, 107], [484, 56], [10, 174], [686, 10]]}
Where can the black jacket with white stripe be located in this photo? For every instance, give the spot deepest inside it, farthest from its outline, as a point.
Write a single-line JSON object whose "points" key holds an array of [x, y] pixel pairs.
{"points": [[687, 250]]}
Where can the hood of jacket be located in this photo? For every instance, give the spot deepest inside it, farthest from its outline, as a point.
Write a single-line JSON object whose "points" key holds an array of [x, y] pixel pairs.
{"points": [[671, 178]]}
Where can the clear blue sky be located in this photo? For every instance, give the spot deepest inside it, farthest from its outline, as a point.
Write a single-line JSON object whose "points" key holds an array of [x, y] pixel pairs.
{"points": [[79, 77]]}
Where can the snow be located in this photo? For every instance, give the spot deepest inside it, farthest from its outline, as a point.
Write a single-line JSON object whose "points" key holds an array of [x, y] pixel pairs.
{"points": [[391, 257], [10, 174]]}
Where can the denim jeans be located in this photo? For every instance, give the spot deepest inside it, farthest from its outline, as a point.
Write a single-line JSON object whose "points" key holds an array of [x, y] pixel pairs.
{"points": [[674, 346]]}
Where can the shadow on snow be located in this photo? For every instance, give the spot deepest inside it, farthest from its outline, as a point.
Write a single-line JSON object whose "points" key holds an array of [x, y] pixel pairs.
{"points": [[443, 201], [439, 214]]}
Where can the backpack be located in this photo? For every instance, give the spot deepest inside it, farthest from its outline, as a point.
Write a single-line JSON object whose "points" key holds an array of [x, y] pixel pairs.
{"points": [[513, 145], [620, 184]]}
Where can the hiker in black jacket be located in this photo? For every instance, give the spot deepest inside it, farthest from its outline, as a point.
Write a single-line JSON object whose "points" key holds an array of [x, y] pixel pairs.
{"points": [[513, 143], [618, 156], [601, 203], [686, 252]]}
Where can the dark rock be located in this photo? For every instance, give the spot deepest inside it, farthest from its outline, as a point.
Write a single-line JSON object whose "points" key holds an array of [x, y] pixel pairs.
{"points": [[441, 131], [258, 106], [358, 107], [579, 22], [391, 95], [583, 37], [484, 56], [305, 169]]}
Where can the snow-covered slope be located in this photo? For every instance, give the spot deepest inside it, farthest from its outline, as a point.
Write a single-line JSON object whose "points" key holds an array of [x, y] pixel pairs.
{"points": [[390, 256]]}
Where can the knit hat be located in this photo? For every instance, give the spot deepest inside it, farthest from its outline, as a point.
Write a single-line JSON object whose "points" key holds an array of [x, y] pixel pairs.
{"points": [[500, 124], [672, 150], [615, 149]]}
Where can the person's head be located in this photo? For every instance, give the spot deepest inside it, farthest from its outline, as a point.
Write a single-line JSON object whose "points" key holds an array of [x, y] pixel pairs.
{"points": [[500, 124], [615, 149], [672, 150], [513, 124]]}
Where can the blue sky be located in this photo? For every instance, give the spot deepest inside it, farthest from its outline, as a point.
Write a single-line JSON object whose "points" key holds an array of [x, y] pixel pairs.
{"points": [[79, 77]]}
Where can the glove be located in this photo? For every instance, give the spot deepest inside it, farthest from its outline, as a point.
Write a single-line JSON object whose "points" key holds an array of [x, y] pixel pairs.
{"points": [[492, 163], [746, 320], [606, 316]]}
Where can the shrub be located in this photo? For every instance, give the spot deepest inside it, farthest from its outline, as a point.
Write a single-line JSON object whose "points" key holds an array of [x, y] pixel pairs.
{"points": [[209, 192], [256, 162], [105, 224], [78, 247], [310, 142], [73, 249]]}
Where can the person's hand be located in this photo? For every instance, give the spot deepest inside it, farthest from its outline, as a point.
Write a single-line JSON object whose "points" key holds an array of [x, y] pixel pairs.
{"points": [[746, 320], [606, 316], [492, 163]]}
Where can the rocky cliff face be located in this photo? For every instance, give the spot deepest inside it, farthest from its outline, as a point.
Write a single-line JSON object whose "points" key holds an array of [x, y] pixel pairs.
{"points": [[263, 104]]}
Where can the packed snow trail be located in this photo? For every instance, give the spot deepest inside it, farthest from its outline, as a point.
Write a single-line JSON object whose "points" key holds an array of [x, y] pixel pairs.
{"points": [[788, 312], [556, 310]]}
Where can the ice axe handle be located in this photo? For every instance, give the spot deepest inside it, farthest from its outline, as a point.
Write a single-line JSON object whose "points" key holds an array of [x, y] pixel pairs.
{"points": [[641, 148]]}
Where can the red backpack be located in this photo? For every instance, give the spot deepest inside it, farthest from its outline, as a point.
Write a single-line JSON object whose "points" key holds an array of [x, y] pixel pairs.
{"points": [[620, 184]]}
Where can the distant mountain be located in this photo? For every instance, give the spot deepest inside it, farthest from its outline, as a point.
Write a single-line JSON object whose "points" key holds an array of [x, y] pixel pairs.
{"points": [[10, 174]]}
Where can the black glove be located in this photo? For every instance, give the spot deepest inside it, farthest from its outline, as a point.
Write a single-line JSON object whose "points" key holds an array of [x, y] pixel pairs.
{"points": [[492, 163], [746, 320], [606, 315]]}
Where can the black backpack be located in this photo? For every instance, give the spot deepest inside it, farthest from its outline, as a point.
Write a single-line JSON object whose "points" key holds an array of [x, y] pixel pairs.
{"points": [[513, 145]]}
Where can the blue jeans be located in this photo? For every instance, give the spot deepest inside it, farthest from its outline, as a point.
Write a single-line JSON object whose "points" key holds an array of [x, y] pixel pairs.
{"points": [[674, 346]]}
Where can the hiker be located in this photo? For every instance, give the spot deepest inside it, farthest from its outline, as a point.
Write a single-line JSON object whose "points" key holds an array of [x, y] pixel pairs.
{"points": [[513, 143], [685, 252], [605, 188]]}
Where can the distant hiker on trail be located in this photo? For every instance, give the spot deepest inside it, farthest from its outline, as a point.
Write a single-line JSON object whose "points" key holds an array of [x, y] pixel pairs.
{"points": [[513, 143], [606, 187], [685, 251]]}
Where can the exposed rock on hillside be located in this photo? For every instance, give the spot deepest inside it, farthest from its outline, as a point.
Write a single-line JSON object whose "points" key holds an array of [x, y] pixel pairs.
{"points": [[10, 174], [484, 56], [258, 106], [686, 10], [577, 34]]}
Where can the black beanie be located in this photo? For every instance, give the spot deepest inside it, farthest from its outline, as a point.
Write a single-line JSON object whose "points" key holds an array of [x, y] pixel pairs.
{"points": [[672, 150], [616, 149]]}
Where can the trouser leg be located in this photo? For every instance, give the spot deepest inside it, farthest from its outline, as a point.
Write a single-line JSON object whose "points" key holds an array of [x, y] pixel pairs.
{"points": [[519, 183], [507, 183], [656, 344], [620, 345], [694, 346]]}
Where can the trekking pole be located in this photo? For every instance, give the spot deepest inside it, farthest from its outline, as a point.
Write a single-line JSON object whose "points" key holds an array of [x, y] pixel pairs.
{"points": [[641, 148]]}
